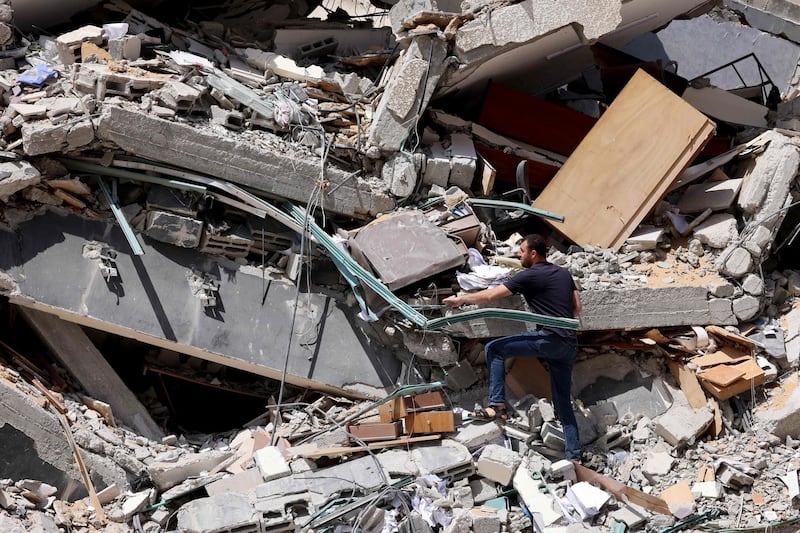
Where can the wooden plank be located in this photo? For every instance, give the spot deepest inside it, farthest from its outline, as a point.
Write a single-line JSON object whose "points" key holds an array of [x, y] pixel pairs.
{"points": [[716, 425], [375, 431], [688, 383], [625, 165], [488, 175], [723, 356], [722, 375], [753, 377], [730, 336]]}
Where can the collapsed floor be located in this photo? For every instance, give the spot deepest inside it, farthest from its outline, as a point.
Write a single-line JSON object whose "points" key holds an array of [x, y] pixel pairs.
{"points": [[285, 231]]}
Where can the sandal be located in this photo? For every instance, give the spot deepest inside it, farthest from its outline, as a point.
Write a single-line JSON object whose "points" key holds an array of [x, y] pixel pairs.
{"points": [[491, 412]]}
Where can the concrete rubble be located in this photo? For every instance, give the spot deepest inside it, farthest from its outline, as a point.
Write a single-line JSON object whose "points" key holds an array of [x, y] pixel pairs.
{"points": [[224, 247]]}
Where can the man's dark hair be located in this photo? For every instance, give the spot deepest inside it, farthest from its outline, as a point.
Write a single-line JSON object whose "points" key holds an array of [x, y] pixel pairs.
{"points": [[536, 243]]}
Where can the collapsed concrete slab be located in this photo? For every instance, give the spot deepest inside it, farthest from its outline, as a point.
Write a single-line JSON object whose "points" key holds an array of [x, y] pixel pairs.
{"points": [[240, 161], [653, 307], [152, 301], [34, 446]]}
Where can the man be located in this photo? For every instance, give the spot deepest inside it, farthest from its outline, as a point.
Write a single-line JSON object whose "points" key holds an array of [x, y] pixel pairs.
{"points": [[549, 290]]}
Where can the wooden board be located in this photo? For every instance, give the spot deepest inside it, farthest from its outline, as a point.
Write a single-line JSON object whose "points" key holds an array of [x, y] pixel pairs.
{"points": [[689, 384], [723, 375], [725, 355], [625, 165], [753, 377]]}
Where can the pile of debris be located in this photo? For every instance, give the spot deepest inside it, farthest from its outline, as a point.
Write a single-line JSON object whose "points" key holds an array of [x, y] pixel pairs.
{"points": [[233, 203]]}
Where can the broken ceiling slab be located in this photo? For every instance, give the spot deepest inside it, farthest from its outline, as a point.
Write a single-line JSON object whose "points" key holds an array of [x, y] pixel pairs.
{"points": [[727, 107], [237, 160], [625, 164], [527, 37], [15, 176], [404, 248], [249, 328], [778, 17], [715, 195], [652, 308], [703, 44]]}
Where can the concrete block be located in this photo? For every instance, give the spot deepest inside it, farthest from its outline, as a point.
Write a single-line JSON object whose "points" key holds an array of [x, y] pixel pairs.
{"points": [[431, 346], [167, 474], [753, 284], [416, 76], [398, 463], [178, 96], [681, 425], [498, 463], [721, 311], [135, 503], [783, 417], [128, 47], [646, 307], [399, 175], [717, 231], [11, 525], [42, 137], [220, 513], [68, 45], [437, 166], [460, 376], [546, 509], [41, 523], [449, 459], [733, 477], [282, 66], [563, 469], [463, 162], [746, 307], [656, 465], [271, 463], [707, 489], [173, 229], [735, 262], [242, 482], [483, 490], [474, 436], [631, 515], [231, 119], [414, 523], [766, 188], [16, 176], [485, 520], [552, 436]]}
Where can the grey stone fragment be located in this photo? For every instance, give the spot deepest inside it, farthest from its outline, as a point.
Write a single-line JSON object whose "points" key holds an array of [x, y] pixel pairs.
{"points": [[414, 523], [10, 525], [463, 162], [746, 307], [735, 262], [656, 465], [768, 184], [721, 311], [167, 474], [230, 119], [400, 175], [398, 462], [15, 176], [43, 138], [793, 282], [127, 47], [474, 436], [431, 346], [721, 290], [782, 420], [417, 75], [450, 458], [498, 463], [42, 523], [718, 231], [681, 425], [223, 512], [483, 490], [437, 166], [173, 229], [753, 284]]}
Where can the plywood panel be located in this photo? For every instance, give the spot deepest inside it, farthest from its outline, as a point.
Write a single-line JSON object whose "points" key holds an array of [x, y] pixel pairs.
{"points": [[626, 163]]}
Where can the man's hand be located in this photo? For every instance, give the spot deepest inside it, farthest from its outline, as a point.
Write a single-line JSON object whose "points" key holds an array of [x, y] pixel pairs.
{"points": [[453, 301]]}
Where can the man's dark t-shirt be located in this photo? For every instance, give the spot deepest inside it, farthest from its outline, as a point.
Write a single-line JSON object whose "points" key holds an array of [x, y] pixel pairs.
{"points": [[548, 290]]}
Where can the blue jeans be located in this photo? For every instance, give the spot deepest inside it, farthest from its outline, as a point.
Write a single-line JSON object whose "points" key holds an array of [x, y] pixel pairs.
{"points": [[560, 353]]}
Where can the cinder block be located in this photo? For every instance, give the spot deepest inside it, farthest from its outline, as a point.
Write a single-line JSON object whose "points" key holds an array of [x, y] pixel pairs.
{"points": [[498, 463], [173, 229]]}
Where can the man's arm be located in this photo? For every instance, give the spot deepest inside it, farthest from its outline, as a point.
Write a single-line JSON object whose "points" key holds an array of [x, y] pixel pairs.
{"points": [[480, 297], [577, 305]]}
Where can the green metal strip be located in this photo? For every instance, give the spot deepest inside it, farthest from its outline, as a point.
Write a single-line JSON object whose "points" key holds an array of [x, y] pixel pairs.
{"points": [[500, 204], [507, 314], [100, 170]]}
